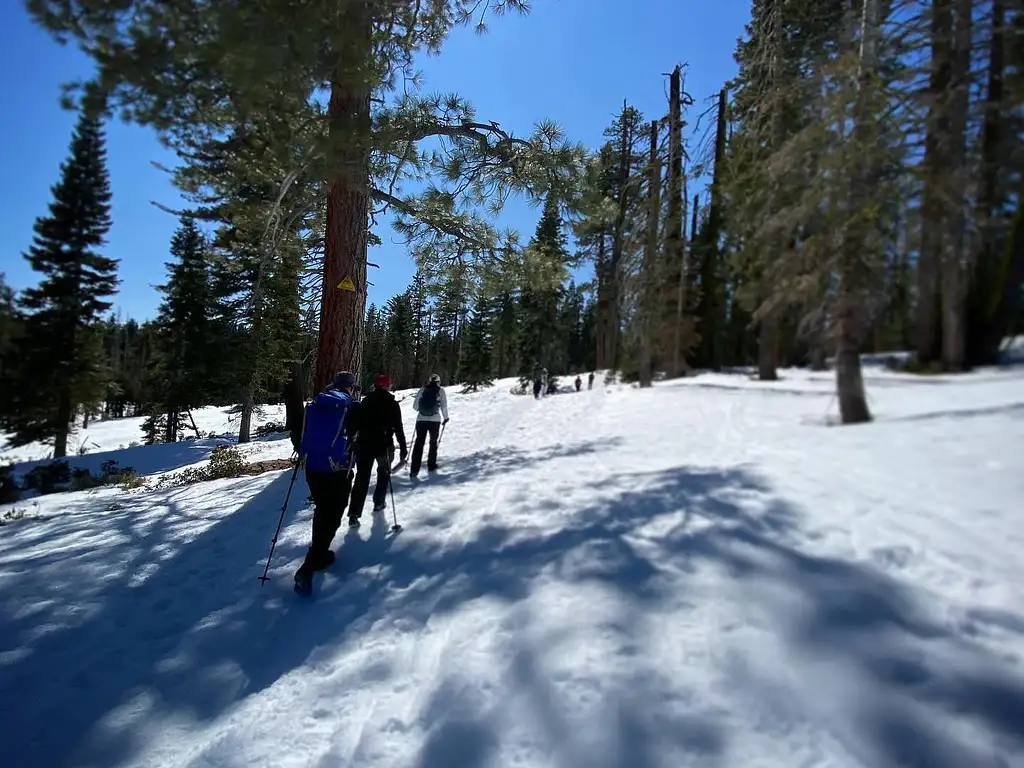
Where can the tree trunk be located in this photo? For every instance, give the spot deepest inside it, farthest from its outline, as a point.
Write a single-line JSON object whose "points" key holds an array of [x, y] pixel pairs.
{"points": [[245, 417], [605, 323], [348, 113], [171, 427], [712, 315], [767, 352], [934, 211], [767, 342], [64, 413], [626, 140], [294, 403], [984, 331], [953, 331], [675, 218], [651, 305], [853, 402], [852, 290]]}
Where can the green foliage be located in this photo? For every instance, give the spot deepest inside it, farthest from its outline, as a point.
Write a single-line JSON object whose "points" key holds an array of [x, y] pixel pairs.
{"points": [[475, 365]]}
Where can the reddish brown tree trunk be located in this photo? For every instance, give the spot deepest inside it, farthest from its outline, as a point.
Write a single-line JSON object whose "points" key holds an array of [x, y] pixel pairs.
{"points": [[348, 201]]}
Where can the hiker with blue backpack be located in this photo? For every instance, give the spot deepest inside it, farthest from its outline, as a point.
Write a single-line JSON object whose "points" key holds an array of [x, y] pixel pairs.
{"points": [[328, 432], [431, 406]]}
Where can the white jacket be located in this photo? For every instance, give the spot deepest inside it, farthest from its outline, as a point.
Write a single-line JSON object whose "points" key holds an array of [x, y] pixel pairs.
{"points": [[442, 406]]}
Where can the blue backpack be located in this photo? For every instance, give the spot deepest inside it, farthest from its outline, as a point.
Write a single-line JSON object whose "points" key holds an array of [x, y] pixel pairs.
{"points": [[324, 435], [429, 400]]}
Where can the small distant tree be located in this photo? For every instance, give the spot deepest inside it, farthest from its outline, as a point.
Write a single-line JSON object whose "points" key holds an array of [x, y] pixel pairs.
{"points": [[58, 355], [185, 365], [475, 365]]}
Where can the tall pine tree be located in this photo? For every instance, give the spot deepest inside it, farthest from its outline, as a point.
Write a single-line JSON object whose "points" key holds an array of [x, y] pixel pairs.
{"points": [[186, 365], [58, 356], [475, 362]]}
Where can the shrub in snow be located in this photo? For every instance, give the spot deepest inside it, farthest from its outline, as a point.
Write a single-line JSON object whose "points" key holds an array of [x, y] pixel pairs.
{"points": [[225, 461], [48, 478], [270, 428], [82, 480]]}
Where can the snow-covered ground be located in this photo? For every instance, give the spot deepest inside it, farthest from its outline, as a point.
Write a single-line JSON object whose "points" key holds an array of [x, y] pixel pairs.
{"points": [[697, 574]]}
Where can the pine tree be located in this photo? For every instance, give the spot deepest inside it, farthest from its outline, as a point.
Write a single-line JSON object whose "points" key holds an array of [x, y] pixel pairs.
{"points": [[186, 366], [475, 363], [11, 328], [58, 356]]}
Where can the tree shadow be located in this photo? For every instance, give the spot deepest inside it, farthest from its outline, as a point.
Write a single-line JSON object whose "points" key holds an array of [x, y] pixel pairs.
{"points": [[144, 459], [487, 463], [197, 635], [1011, 410]]}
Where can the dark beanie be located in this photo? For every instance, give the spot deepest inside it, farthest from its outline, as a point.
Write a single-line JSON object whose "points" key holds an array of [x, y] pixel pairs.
{"points": [[344, 380]]}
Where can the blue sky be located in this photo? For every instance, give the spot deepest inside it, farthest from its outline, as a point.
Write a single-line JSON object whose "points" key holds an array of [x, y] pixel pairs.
{"points": [[573, 61]]}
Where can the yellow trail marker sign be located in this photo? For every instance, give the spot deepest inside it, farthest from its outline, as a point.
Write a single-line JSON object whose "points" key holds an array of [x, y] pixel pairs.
{"points": [[346, 285]]}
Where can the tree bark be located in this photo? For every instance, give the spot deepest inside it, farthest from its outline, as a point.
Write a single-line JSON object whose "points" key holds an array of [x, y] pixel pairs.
{"points": [[852, 290], [933, 210], [711, 293], [767, 352], [245, 417], [953, 295], [618, 242], [675, 217], [64, 412], [294, 403], [348, 113], [984, 327], [651, 305]]}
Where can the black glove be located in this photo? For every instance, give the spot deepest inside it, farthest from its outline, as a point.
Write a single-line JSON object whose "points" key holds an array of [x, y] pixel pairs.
{"points": [[444, 422]]}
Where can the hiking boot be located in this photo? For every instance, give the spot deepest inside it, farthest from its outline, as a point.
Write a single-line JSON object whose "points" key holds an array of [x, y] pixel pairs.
{"points": [[304, 581], [382, 507], [353, 522], [317, 560]]}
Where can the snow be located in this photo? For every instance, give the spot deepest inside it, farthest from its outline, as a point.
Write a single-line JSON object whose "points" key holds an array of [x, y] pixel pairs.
{"points": [[699, 574]]}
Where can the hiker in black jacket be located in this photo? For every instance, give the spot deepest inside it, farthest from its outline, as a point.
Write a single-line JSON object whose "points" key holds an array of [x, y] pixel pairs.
{"points": [[378, 421]]}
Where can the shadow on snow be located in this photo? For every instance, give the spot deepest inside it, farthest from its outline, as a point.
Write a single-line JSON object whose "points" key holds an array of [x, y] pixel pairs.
{"points": [[199, 634]]}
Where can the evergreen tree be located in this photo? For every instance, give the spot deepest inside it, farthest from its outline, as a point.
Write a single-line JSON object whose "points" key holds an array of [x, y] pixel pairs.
{"points": [[11, 329], [186, 366], [58, 357], [541, 341], [475, 363]]}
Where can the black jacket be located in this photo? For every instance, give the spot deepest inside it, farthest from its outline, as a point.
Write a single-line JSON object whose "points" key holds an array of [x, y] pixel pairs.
{"points": [[376, 421]]}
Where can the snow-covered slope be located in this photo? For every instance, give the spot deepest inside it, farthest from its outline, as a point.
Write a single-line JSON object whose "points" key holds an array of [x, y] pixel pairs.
{"points": [[697, 574]]}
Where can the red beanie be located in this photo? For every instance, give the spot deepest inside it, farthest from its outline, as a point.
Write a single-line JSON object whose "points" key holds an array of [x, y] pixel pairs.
{"points": [[383, 381]]}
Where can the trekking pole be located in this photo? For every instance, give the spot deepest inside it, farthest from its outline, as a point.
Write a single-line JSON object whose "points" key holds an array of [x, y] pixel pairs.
{"points": [[284, 507], [441, 436], [394, 514]]}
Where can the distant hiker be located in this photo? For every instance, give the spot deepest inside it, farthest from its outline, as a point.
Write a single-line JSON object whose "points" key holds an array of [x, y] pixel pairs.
{"points": [[579, 383], [538, 381], [324, 447], [431, 405], [590, 380], [376, 422]]}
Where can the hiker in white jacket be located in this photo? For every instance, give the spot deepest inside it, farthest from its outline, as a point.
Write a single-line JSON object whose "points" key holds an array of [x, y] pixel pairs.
{"points": [[431, 406]]}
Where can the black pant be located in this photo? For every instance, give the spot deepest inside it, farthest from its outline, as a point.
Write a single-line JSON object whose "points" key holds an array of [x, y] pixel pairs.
{"points": [[330, 491], [364, 466], [536, 388], [424, 428]]}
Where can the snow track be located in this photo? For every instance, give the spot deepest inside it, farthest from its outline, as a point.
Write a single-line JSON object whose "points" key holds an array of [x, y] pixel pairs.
{"points": [[700, 574]]}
